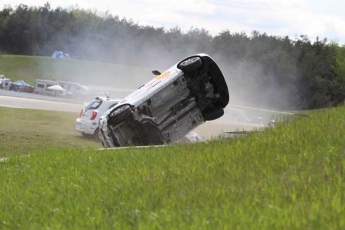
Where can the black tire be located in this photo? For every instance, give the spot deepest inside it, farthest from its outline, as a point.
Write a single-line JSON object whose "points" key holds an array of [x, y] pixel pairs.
{"points": [[213, 115], [190, 64], [118, 118], [96, 135]]}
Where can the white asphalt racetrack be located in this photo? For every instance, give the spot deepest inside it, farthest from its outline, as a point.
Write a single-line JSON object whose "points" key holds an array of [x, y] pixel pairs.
{"points": [[207, 131]]}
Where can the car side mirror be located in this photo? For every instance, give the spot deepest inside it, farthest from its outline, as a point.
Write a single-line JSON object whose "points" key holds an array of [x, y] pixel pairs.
{"points": [[156, 72]]}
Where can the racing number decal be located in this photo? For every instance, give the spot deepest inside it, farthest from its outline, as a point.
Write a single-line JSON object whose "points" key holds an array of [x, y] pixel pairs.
{"points": [[163, 75]]}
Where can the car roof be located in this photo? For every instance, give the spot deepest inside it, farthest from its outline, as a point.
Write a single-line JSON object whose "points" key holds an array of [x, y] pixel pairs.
{"points": [[106, 99]]}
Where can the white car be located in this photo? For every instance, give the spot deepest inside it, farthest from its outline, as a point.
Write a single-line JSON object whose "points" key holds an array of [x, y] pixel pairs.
{"points": [[87, 122], [169, 106]]}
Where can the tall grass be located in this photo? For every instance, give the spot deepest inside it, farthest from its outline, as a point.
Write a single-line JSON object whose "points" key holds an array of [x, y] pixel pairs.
{"points": [[287, 177]]}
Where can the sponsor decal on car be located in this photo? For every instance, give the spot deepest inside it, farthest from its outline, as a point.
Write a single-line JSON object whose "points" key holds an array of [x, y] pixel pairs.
{"points": [[163, 75], [152, 84], [157, 80]]}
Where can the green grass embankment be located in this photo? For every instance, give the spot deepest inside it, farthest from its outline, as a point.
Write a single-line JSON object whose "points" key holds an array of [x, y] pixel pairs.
{"points": [[288, 177]]}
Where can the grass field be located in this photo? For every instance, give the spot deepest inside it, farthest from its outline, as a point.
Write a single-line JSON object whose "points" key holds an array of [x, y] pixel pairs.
{"points": [[24, 130], [29, 68], [288, 177]]}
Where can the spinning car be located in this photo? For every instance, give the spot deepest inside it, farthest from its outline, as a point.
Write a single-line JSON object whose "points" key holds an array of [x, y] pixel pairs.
{"points": [[169, 106]]}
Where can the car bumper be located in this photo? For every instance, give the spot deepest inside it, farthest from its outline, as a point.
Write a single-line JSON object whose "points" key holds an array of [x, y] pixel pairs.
{"points": [[85, 127], [104, 132]]}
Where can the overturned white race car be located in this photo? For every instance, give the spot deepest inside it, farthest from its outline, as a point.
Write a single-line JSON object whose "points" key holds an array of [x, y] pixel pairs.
{"points": [[169, 106]]}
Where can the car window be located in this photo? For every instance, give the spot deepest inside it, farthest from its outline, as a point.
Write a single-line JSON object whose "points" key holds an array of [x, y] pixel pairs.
{"points": [[112, 105], [94, 104]]}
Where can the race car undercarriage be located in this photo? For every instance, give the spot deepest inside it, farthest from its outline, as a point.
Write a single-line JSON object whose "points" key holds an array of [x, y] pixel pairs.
{"points": [[199, 95]]}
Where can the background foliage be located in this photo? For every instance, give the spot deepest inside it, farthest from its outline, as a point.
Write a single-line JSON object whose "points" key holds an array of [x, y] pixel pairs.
{"points": [[269, 71]]}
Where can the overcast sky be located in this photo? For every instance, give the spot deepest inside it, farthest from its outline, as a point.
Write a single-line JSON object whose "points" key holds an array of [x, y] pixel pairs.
{"points": [[322, 18]]}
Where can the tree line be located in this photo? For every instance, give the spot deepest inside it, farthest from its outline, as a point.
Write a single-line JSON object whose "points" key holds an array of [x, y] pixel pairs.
{"points": [[268, 71]]}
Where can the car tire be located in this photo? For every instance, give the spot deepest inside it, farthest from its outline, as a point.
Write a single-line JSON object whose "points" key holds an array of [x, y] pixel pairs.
{"points": [[213, 115], [190, 64], [96, 135], [120, 117]]}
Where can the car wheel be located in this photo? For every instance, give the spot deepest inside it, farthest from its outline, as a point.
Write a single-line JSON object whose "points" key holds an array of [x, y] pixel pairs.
{"points": [[96, 135], [190, 64], [213, 115], [119, 117]]}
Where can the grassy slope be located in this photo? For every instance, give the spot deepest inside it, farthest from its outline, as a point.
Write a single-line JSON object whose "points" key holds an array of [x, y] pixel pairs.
{"points": [[23, 130], [289, 177], [82, 71]]}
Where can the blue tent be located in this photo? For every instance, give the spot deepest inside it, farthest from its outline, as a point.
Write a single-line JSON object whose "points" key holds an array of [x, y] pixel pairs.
{"points": [[20, 86], [60, 54], [20, 83]]}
